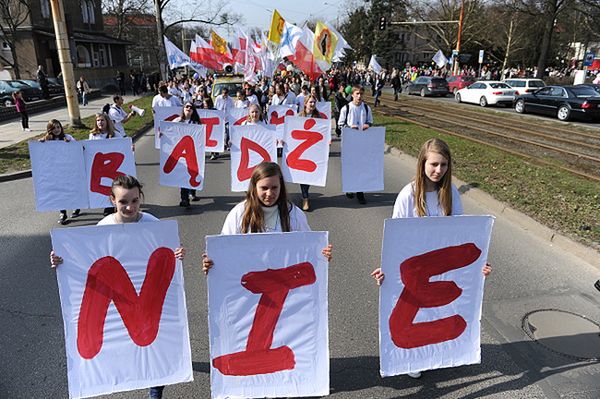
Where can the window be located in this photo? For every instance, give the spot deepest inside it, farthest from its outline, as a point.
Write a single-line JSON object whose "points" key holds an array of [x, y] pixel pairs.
{"points": [[45, 8], [87, 12], [83, 57]]}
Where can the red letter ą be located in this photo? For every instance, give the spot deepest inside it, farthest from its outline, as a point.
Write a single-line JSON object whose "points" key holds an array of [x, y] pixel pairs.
{"points": [[259, 357], [210, 122], [108, 281], [244, 171], [105, 165], [311, 138], [186, 149], [278, 120], [419, 292]]}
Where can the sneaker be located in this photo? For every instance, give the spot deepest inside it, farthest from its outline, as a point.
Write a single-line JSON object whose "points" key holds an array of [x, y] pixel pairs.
{"points": [[62, 219], [361, 198], [27, 130], [185, 204], [414, 375], [350, 195], [195, 199], [213, 157], [75, 213]]}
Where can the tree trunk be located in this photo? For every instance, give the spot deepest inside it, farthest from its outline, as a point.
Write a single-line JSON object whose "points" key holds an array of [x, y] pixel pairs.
{"points": [[509, 41], [550, 16], [162, 54]]}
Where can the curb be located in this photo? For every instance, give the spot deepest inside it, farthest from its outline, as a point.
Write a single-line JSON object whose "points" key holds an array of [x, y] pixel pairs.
{"points": [[498, 208], [23, 174]]}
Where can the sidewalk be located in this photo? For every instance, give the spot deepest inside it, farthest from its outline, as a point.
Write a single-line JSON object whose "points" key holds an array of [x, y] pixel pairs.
{"points": [[11, 133]]}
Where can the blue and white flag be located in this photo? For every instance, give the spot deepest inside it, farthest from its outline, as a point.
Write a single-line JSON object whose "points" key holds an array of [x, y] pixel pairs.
{"points": [[178, 58], [440, 59], [290, 36], [374, 65]]}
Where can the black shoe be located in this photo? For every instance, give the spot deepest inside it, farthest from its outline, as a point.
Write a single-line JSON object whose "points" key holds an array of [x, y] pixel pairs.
{"points": [[213, 157], [62, 219], [185, 204], [361, 198], [75, 213], [350, 195], [195, 199]]}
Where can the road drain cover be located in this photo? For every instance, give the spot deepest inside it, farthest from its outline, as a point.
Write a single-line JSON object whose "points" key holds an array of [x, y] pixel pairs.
{"points": [[565, 333]]}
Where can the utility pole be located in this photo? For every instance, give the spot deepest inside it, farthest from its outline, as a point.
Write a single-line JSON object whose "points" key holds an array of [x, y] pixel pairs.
{"points": [[455, 66], [64, 56]]}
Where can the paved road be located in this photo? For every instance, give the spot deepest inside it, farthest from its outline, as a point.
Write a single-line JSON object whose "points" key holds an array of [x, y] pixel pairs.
{"points": [[528, 274]]}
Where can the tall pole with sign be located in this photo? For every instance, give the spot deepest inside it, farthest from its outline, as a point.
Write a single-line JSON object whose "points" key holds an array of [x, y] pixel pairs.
{"points": [[480, 61], [460, 27]]}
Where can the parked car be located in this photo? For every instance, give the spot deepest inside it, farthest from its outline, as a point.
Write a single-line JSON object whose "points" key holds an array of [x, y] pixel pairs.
{"points": [[53, 88], [455, 83], [564, 102], [8, 87], [593, 86], [524, 86], [486, 93], [428, 86]]}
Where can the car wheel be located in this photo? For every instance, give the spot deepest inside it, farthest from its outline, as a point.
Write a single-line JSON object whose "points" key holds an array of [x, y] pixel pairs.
{"points": [[520, 106], [564, 113], [423, 93], [483, 101], [455, 90], [457, 98], [8, 103]]}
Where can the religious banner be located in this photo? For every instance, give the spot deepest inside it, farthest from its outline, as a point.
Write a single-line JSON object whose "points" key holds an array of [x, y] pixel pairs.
{"points": [[123, 306], [215, 129], [105, 160], [267, 315], [250, 145], [430, 300], [362, 159], [306, 150], [59, 178], [276, 116], [236, 116], [182, 155], [162, 114]]}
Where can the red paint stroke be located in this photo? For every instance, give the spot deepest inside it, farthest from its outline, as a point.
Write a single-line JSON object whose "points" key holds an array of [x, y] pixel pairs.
{"points": [[210, 123], [186, 149], [246, 145], [278, 120], [105, 165], [310, 138]]}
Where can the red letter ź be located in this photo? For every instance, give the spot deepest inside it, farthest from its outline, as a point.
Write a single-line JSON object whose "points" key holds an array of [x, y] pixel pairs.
{"points": [[244, 171], [186, 149], [210, 122], [259, 357], [108, 281], [311, 138], [419, 292], [105, 165]]}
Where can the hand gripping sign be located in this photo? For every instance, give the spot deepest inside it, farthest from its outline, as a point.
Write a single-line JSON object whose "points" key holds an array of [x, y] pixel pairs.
{"points": [[163, 114], [430, 300], [236, 116], [250, 145], [277, 115], [306, 150], [267, 313], [123, 306], [182, 155], [105, 160], [215, 129], [362, 159]]}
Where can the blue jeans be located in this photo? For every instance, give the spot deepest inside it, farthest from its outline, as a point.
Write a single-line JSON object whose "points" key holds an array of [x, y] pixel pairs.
{"points": [[304, 188], [156, 392]]}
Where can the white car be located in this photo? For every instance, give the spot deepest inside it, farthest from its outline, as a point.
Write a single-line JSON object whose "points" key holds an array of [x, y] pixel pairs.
{"points": [[486, 93]]}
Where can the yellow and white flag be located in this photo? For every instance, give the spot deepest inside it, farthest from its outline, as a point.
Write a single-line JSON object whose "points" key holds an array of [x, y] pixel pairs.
{"points": [[325, 43], [277, 25], [218, 43]]}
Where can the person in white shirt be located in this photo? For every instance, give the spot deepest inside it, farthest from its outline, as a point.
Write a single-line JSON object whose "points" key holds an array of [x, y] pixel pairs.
{"points": [[118, 116], [356, 115], [241, 100], [223, 102], [164, 99], [188, 115], [254, 115], [103, 129], [252, 99], [279, 95], [290, 96], [300, 98]]}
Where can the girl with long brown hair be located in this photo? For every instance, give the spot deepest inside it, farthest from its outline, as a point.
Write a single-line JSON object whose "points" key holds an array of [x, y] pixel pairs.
{"points": [[309, 111], [103, 128]]}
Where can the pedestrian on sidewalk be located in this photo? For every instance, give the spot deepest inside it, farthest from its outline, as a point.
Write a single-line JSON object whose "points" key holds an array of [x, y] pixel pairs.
{"points": [[42, 79], [21, 109], [83, 88], [188, 115]]}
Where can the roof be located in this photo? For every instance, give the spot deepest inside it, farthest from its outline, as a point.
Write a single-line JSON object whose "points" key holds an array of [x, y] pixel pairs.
{"points": [[135, 20], [81, 37]]}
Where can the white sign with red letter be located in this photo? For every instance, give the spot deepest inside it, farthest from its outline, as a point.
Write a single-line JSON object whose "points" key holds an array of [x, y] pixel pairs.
{"points": [[430, 300], [250, 145], [182, 155], [104, 161], [362, 159], [215, 129], [267, 314], [324, 108], [163, 114], [59, 179], [123, 306], [306, 150], [235, 116], [277, 115]]}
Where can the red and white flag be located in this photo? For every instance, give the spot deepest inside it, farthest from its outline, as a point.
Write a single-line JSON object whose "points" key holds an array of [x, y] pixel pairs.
{"points": [[205, 54], [304, 58]]}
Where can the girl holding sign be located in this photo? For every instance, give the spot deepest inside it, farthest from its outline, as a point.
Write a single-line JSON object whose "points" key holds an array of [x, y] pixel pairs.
{"points": [[430, 194], [310, 111], [55, 131], [265, 210], [126, 195], [188, 115], [103, 129], [254, 115]]}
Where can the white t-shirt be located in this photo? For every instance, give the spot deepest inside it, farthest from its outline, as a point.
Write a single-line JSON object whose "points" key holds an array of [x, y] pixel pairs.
{"points": [[300, 101], [117, 114], [233, 222], [223, 103], [98, 136], [242, 103], [252, 99], [160, 101], [110, 219], [405, 203], [354, 115]]}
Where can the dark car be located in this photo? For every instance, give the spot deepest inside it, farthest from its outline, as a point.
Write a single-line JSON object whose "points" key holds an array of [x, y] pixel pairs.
{"points": [[53, 88], [8, 87], [593, 86], [457, 82], [564, 102], [428, 86]]}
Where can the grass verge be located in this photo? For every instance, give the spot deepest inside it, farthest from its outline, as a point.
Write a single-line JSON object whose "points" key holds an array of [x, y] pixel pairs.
{"points": [[15, 158], [557, 199]]}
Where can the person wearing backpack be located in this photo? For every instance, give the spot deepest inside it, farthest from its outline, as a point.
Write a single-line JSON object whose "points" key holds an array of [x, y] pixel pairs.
{"points": [[339, 102], [356, 115]]}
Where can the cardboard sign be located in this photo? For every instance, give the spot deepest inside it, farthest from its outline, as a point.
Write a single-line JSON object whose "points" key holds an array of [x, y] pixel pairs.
{"points": [[123, 306], [215, 129], [362, 159], [276, 117], [250, 145], [235, 116], [324, 108], [163, 114], [306, 150], [267, 313], [430, 300], [182, 155]]}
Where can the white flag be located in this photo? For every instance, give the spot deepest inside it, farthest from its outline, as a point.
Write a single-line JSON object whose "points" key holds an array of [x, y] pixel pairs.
{"points": [[440, 59], [178, 58], [290, 36], [374, 65]]}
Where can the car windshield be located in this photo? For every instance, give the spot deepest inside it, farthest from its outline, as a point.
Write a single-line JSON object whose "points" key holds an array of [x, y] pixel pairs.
{"points": [[31, 83], [584, 92], [499, 86], [233, 88], [17, 85], [536, 83], [516, 83]]}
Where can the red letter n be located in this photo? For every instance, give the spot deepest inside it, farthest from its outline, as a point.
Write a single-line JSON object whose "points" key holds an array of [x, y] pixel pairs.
{"points": [[419, 292], [311, 138], [259, 357], [105, 165], [184, 149], [108, 281]]}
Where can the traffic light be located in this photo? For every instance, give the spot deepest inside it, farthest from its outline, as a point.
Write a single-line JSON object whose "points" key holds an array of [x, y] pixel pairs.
{"points": [[382, 23]]}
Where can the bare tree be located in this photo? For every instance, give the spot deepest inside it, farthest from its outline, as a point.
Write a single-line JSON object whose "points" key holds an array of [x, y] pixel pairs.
{"points": [[123, 11], [13, 13]]}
